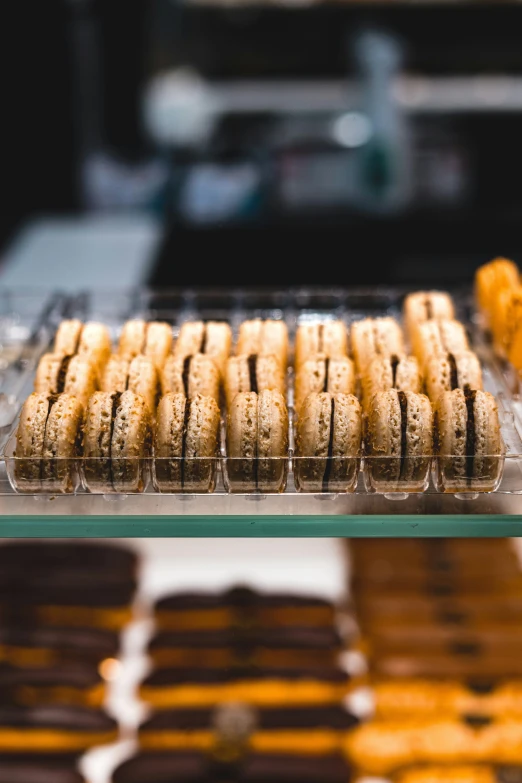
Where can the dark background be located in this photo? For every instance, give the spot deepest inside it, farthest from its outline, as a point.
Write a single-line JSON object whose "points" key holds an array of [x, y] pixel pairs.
{"points": [[41, 145]]}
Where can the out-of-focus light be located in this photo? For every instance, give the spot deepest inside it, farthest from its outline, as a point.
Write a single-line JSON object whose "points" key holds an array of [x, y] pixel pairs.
{"points": [[109, 669], [352, 129]]}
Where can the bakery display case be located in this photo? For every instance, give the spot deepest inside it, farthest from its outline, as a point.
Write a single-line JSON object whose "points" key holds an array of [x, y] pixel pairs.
{"points": [[142, 483]]}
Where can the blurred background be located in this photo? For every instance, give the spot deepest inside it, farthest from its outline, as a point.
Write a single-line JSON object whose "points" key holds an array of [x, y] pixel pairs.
{"points": [[272, 141]]}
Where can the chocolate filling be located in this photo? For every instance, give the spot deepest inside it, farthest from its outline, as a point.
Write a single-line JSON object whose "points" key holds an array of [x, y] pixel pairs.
{"points": [[429, 310], [252, 372], [481, 687], [62, 374], [116, 399], [186, 373], [326, 373], [469, 396], [320, 338], [477, 721], [78, 341], [256, 447], [454, 372], [328, 467], [53, 398], [403, 402], [467, 649], [394, 361], [186, 418], [203, 346]]}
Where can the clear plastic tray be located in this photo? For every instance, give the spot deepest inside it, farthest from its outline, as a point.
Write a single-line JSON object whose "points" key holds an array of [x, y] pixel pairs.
{"points": [[230, 487]]}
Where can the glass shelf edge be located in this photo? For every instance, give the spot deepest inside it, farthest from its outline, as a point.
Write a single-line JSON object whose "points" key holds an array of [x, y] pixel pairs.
{"points": [[442, 526]]}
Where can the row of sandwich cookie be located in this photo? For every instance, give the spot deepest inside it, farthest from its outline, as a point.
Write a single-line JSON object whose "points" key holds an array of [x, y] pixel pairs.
{"points": [[113, 442], [80, 361]]}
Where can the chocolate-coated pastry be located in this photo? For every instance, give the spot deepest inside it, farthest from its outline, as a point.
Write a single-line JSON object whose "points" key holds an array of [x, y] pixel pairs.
{"points": [[66, 683], [320, 730], [299, 769], [240, 646], [254, 768], [180, 687], [164, 768], [244, 607], [37, 772], [27, 560], [42, 646], [53, 730]]}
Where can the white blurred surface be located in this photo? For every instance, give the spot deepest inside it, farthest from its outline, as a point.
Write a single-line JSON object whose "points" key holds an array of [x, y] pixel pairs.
{"points": [[72, 254]]}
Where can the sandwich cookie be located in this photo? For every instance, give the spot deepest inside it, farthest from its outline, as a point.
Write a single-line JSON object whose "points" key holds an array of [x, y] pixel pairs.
{"points": [[53, 731], [147, 338], [491, 278], [448, 372], [253, 373], [433, 338], [241, 607], [246, 646], [197, 767], [257, 442], [468, 441], [48, 563], [373, 337], [186, 443], [204, 687], [398, 442], [191, 375], [328, 443], [138, 375], [426, 306], [264, 338], [117, 438], [92, 339], [391, 372], [329, 338], [322, 374], [213, 338], [48, 443], [316, 731], [75, 375], [74, 683]]}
